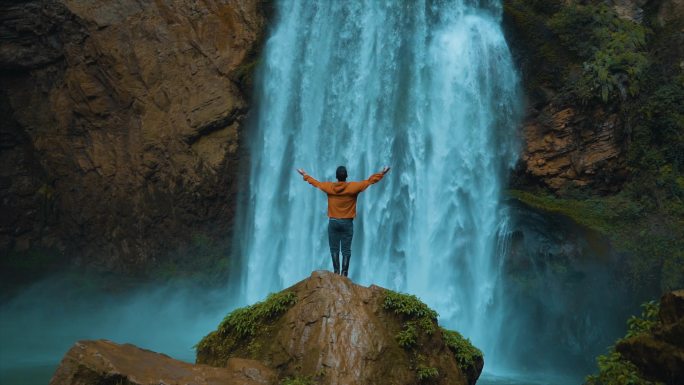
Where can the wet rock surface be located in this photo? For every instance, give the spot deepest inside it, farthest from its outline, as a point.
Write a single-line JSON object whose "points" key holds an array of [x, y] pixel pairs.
{"points": [[122, 123], [105, 362], [338, 332]]}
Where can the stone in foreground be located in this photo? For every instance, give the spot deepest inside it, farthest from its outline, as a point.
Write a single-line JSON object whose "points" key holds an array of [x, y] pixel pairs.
{"points": [[659, 354], [105, 362], [328, 330]]}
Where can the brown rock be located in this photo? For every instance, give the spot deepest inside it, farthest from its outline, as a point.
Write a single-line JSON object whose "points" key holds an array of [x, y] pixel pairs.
{"points": [[339, 333], [671, 307], [105, 362], [121, 124], [563, 148], [659, 355]]}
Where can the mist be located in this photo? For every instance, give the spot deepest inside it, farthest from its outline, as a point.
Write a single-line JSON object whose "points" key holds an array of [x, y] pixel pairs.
{"points": [[39, 325]]}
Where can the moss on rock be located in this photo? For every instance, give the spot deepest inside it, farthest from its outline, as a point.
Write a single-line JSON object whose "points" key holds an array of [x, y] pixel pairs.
{"points": [[234, 335]]}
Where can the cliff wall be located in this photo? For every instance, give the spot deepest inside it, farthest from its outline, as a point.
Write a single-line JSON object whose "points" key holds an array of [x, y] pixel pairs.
{"points": [[121, 125]]}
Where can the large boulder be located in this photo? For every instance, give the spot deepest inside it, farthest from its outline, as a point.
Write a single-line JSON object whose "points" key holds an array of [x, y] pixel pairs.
{"points": [[104, 362], [329, 330]]}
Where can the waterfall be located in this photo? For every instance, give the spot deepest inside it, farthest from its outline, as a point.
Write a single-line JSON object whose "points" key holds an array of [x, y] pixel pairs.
{"points": [[425, 87]]}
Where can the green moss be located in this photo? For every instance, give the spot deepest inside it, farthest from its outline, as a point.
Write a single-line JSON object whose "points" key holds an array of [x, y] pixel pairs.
{"points": [[466, 354], [238, 328], [613, 369], [417, 317], [408, 306], [650, 237], [425, 373]]}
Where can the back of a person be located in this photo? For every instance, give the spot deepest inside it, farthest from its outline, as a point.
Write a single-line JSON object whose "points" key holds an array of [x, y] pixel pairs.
{"points": [[341, 211]]}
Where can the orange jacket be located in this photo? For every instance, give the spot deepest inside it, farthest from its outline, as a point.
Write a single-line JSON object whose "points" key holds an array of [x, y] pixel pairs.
{"points": [[342, 195]]}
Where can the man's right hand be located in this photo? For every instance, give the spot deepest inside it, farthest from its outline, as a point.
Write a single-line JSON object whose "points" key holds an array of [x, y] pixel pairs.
{"points": [[301, 171]]}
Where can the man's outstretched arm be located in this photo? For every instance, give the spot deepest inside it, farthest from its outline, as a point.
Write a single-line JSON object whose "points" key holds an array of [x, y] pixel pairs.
{"points": [[324, 186], [373, 179]]}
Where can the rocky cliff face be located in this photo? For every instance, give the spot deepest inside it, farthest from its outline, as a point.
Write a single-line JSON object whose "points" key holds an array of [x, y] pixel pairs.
{"points": [[573, 139], [121, 124], [329, 330]]}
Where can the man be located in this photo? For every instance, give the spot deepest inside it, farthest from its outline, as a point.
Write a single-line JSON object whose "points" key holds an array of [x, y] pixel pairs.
{"points": [[341, 211]]}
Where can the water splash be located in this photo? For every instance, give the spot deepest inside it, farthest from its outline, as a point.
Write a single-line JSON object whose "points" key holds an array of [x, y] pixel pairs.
{"points": [[427, 88]]}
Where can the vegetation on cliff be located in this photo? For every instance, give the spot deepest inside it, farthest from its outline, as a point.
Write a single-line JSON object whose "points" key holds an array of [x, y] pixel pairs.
{"points": [[602, 63], [651, 353]]}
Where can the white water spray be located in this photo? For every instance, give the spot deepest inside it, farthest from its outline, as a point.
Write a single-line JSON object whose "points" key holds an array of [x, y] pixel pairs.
{"points": [[427, 88]]}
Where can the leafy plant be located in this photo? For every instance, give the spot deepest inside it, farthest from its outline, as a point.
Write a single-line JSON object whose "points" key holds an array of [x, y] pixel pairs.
{"points": [[418, 317], [426, 372], [407, 337], [407, 305], [613, 49], [466, 354], [613, 368], [646, 322], [244, 323]]}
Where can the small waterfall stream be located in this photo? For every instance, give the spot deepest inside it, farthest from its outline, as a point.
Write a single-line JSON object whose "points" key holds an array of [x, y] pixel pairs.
{"points": [[426, 87]]}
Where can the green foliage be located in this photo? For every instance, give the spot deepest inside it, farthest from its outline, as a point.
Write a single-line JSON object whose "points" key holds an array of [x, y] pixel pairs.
{"points": [[298, 380], [407, 305], [652, 237], [408, 336], [613, 368], [244, 323], [613, 49], [644, 324], [426, 372], [466, 354], [417, 316]]}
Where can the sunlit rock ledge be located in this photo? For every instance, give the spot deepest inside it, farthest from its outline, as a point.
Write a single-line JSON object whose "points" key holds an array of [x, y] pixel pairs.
{"points": [[323, 330]]}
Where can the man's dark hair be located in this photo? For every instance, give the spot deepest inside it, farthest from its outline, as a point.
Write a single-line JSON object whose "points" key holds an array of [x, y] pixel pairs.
{"points": [[341, 174]]}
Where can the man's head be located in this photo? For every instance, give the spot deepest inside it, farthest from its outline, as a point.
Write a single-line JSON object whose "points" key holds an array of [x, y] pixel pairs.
{"points": [[341, 174]]}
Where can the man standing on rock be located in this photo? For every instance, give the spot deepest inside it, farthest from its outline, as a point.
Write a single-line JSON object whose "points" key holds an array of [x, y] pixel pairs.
{"points": [[341, 211]]}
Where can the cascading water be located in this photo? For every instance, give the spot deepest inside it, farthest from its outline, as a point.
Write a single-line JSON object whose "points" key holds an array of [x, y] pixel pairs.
{"points": [[427, 88]]}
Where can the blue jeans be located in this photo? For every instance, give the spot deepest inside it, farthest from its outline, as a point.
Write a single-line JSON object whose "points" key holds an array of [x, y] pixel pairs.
{"points": [[340, 233]]}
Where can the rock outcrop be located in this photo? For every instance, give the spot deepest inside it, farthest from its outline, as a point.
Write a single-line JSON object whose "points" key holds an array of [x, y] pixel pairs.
{"points": [[323, 330], [567, 147], [659, 355], [121, 124], [105, 362], [329, 330]]}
